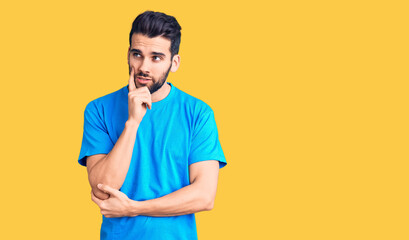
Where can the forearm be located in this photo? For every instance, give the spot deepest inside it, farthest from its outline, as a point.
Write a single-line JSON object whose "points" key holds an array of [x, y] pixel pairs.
{"points": [[187, 200], [113, 168]]}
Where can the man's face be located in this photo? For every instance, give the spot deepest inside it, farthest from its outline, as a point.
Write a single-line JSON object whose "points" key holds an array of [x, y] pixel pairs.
{"points": [[151, 60]]}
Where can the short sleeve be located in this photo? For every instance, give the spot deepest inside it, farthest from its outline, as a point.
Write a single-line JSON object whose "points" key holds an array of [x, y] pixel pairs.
{"points": [[95, 138], [205, 144]]}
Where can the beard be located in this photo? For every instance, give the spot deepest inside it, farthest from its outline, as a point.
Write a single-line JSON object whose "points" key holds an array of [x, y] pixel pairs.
{"points": [[156, 84]]}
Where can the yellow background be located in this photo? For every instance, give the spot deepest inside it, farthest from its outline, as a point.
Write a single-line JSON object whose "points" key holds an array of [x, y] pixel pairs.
{"points": [[310, 98]]}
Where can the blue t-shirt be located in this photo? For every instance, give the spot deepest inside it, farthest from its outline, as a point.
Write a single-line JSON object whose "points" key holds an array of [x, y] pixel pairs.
{"points": [[178, 131]]}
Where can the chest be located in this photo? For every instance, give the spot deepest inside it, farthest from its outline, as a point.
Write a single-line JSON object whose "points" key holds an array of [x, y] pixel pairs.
{"points": [[167, 130]]}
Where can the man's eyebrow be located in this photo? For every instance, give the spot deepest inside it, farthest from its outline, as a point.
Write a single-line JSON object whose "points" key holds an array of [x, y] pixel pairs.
{"points": [[153, 53], [158, 53]]}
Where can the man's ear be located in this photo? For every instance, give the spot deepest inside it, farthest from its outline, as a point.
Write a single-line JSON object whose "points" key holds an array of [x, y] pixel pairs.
{"points": [[175, 63]]}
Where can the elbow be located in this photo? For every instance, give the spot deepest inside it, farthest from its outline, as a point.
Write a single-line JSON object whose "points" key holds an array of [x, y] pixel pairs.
{"points": [[99, 194], [209, 206], [208, 203], [94, 181]]}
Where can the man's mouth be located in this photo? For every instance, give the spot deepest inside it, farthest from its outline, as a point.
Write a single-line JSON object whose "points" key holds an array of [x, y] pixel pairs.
{"points": [[143, 80]]}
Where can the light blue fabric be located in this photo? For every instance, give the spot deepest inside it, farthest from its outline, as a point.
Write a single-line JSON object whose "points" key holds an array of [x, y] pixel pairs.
{"points": [[178, 131]]}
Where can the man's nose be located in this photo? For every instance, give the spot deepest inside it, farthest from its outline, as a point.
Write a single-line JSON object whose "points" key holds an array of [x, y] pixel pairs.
{"points": [[145, 66]]}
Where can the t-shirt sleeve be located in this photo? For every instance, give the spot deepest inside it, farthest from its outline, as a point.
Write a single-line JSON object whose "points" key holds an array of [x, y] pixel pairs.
{"points": [[95, 138], [205, 143]]}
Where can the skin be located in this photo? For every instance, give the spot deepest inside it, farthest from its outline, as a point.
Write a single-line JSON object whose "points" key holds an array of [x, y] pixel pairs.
{"points": [[152, 59], [149, 58]]}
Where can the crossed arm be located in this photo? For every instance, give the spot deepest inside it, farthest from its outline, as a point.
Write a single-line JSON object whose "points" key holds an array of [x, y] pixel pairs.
{"points": [[196, 197], [107, 172]]}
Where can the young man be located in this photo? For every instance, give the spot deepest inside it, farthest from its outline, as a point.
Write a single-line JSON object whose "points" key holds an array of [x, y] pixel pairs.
{"points": [[152, 151]]}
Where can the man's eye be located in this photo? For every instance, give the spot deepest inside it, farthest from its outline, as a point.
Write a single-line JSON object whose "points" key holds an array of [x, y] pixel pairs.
{"points": [[156, 58], [136, 55]]}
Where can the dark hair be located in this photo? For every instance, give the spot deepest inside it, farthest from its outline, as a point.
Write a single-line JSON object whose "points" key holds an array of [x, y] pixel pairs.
{"points": [[153, 24]]}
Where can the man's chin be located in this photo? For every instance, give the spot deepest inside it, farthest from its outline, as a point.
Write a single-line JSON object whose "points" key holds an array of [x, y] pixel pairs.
{"points": [[155, 87], [150, 87], [141, 85]]}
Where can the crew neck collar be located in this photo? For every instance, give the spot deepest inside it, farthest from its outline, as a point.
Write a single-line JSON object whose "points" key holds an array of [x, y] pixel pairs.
{"points": [[162, 102]]}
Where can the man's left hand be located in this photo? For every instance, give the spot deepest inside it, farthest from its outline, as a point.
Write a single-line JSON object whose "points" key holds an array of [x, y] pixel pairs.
{"points": [[117, 205]]}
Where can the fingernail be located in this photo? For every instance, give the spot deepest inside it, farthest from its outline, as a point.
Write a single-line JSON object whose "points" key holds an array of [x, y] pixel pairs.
{"points": [[99, 185]]}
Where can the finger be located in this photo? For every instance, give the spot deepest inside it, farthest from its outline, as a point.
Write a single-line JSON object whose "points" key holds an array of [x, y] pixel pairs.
{"points": [[148, 96], [150, 103], [132, 86], [107, 189], [143, 98], [136, 93], [144, 89], [95, 199]]}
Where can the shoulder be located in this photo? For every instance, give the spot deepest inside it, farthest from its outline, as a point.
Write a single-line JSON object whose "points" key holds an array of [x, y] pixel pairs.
{"points": [[195, 105], [103, 102]]}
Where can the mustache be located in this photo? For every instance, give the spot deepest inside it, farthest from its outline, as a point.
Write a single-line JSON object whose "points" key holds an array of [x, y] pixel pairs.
{"points": [[142, 75]]}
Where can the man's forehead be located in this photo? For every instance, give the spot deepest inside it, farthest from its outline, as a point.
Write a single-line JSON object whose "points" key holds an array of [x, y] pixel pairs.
{"points": [[155, 44]]}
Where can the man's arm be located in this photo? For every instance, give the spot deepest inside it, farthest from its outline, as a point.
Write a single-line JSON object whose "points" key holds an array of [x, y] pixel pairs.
{"points": [[111, 169], [196, 197]]}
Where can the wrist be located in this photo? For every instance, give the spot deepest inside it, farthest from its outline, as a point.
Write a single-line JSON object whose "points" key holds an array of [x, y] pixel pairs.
{"points": [[135, 208], [131, 123]]}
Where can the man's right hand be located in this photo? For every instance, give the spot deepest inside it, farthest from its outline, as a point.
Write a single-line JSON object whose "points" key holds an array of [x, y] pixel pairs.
{"points": [[138, 98]]}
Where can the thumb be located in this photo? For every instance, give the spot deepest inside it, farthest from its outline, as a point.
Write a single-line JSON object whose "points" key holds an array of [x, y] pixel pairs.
{"points": [[107, 189], [131, 83]]}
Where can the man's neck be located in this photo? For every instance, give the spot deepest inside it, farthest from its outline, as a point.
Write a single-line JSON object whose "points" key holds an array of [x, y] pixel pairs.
{"points": [[161, 93]]}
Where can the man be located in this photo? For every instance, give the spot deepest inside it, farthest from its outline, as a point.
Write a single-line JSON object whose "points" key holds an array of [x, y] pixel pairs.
{"points": [[152, 151]]}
